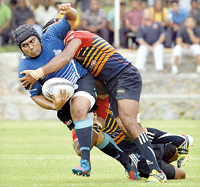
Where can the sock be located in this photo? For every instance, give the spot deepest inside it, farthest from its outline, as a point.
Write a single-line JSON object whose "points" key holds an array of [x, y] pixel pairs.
{"points": [[84, 134], [156, 136], [109, 147], [146, 149]]}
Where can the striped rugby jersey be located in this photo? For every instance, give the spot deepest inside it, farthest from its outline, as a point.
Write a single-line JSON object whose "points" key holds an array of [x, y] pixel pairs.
{"points": [[97, 55]]}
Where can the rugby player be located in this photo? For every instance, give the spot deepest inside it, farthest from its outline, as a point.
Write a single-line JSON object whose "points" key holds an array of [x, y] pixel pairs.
{"points": [[50, 44], [165, 145], [122, 81], [37, 52]]}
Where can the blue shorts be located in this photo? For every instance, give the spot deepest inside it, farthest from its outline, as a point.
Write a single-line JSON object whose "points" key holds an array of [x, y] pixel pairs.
{"points": [[126, 85]]}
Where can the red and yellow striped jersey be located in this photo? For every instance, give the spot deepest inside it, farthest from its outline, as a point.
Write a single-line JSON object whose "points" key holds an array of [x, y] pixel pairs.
{"points": [[112, 128], [97, 55]]}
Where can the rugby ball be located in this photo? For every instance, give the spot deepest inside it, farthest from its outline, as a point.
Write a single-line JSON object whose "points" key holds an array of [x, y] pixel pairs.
{"points": [[53, 86]]}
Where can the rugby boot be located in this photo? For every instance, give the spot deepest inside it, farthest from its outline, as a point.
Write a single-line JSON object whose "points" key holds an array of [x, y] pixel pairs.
{"points": [[83, 169], [155, 177], [183, 151]]}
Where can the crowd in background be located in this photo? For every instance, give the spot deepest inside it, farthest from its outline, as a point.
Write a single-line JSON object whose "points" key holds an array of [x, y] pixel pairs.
{"points": [[148, 25]]}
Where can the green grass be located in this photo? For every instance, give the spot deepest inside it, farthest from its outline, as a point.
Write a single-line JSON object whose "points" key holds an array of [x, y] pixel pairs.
{"points": [[40, 154], [9, 48]]}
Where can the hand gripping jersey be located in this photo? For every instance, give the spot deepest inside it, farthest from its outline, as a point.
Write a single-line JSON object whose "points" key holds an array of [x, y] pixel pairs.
{"points": [[52, 45], [97, 55]]}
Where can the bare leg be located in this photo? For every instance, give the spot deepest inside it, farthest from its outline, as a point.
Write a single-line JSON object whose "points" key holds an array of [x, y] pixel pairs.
{"points": [[128, 110], [79, 108], [176, 59]]}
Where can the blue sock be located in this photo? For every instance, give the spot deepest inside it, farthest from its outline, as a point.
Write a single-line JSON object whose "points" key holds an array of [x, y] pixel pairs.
{"points": [[109, 147], [84, 134], [146, 149], [156, 136]]}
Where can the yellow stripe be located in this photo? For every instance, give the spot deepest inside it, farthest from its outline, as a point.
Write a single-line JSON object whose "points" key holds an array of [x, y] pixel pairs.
{"points": [[85, 50], [102, 63], [121, 139], [99, 63], [91, 58], [111, 128], [87, 56]]}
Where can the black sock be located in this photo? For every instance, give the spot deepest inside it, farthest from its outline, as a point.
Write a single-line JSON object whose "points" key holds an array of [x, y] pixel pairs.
{"points": [[84, 134], [146, 149], [156, 136], [109, 147]]}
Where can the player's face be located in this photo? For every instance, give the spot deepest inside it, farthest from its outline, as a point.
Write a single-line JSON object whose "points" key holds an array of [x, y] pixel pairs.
{"points": [[31, 47]]}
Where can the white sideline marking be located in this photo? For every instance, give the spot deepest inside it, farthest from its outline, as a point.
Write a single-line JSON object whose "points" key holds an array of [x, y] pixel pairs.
{"points": [[41, 158], [99, 157]]}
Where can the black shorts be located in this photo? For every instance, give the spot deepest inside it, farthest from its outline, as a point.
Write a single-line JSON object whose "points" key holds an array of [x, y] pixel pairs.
{"points": [[126, 85], [86, 84], [168, 169]]}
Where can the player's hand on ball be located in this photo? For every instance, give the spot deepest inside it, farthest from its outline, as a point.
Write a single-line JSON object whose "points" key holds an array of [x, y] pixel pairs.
{"points": [[28, 79], [60, 101], [64, 8]]}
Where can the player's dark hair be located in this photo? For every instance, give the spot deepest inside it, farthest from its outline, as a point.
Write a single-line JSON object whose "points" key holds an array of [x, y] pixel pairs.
{"points": [[174, 1], [49, 23]]}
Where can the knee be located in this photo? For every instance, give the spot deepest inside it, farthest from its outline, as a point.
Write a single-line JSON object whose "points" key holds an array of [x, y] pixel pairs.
{"points": [[195, 48], [79, 113], [177, 50]]}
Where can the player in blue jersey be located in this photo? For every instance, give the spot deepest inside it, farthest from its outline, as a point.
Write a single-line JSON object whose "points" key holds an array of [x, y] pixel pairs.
{"points": [[73, 72], [122, 81], [36, 53]]}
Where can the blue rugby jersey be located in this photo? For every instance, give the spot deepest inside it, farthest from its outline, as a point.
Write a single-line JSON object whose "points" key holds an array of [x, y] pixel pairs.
{"points": [[52, 45]]}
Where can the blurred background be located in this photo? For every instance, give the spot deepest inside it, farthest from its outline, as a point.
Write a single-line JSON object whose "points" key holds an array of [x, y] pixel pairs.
{"points": [[160, 37]]}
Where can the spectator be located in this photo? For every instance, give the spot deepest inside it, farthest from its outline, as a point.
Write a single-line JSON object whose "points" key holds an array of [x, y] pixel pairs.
{"points": [[5, 19], [94, 20], [195, 12], [56, 4], [31, 22], [159, 13], [111, 20], [85, 4], [143, 4], [188, 38], [35, 4], [21, 14], [185, 4], [176, 18], [45, 13], [132, 22], [12, 5], [150, 37]]}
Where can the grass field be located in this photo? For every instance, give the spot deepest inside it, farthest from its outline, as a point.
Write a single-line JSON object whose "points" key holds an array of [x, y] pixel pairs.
{"points": [[40, 154]]}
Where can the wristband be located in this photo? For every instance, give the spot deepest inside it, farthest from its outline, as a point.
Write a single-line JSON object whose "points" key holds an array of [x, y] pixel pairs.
{"points": [[38, 73]]}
